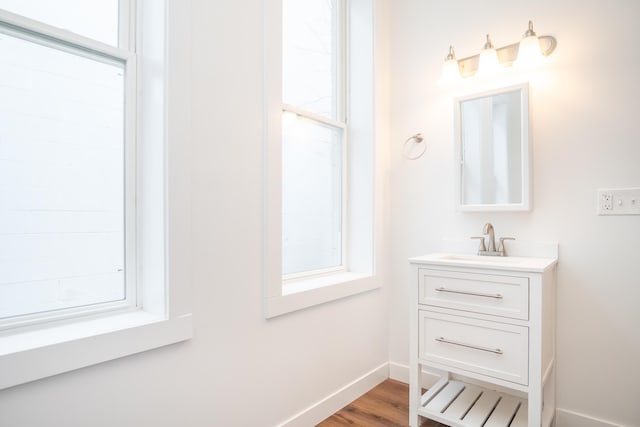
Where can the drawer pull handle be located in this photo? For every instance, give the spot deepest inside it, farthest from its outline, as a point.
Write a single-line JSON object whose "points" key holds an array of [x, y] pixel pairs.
{"points": [[490, 350], [476, 294]]}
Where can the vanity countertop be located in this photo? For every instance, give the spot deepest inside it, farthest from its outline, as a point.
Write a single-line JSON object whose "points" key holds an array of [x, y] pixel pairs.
{"points": [[509, 263]]}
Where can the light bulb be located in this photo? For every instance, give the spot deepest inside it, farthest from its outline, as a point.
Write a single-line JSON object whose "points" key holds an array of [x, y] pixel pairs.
{"points": [[488, 63], [450, 71], [529, 53]]}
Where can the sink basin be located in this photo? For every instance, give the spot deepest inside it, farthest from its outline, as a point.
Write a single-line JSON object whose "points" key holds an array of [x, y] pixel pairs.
{"points": [[483, 259]]}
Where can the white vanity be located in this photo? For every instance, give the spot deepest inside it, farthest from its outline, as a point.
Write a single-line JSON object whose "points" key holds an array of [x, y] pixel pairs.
{"points": [[486, 326]]}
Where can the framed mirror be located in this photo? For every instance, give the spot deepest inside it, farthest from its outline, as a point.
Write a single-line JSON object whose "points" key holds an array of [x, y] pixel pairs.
{"points": [[492, 150]]}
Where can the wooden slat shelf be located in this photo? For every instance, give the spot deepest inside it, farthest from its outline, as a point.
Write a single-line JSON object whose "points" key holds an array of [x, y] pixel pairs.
{"points": [[459, 404]]}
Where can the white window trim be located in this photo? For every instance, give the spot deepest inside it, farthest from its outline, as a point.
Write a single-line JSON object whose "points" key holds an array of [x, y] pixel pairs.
{"points": [[337, 122], [31, 353], [281, 297], [51, 37]]}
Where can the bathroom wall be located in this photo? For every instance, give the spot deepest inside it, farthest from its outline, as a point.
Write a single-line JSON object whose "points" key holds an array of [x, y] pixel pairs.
{"points": [[242, 370], [239, 369], [584, 115]]}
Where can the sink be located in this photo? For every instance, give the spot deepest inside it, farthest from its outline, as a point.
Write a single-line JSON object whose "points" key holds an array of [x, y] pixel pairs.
{"points": [[482, 259], [509, 263]]}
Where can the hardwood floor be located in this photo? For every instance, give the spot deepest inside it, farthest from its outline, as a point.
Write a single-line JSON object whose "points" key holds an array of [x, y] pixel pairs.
{"points": [[387, 405]]}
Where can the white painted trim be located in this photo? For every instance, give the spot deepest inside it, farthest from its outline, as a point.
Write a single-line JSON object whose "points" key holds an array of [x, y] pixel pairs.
{"points": [[45, 352], [326, 407], [127, 28], [272, 154], [41, 32], [525, 204], [337, 400], [28, 354], [359, 231], [319, 291], [400, 373], [567, 418]]}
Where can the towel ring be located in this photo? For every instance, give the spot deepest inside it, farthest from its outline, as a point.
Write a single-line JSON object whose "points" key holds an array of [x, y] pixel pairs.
{"points": [[417, 139]]}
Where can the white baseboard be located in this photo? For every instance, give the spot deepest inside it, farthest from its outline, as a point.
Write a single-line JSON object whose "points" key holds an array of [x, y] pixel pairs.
{"points": [[566, 418], [339, 399], [347, 394], [400, 373]]}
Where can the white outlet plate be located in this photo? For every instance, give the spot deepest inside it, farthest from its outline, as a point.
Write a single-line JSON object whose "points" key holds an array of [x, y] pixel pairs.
{"points": [[619, 201]]}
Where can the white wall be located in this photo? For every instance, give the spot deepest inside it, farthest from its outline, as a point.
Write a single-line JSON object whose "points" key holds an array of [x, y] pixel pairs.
{"points": [[242, 370], [584, 134], [239, 369]]}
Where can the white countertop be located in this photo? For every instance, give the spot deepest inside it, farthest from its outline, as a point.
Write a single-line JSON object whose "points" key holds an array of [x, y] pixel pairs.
{"points": [[509, 263]]}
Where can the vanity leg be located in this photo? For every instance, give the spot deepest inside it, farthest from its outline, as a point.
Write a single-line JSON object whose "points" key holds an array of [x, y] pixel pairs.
{"points": [[535, 409], [415, 394]]}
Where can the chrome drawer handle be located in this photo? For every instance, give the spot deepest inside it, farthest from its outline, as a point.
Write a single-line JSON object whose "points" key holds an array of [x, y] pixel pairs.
{"points": [[476, 294], [475, 347]]}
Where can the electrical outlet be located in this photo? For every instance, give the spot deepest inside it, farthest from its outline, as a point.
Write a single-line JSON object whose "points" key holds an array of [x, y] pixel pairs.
{"points": [[619, 201]]}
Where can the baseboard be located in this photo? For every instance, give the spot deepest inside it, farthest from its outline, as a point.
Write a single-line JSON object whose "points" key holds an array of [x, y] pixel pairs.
{"points": [[347, 394], [339, 399], [566, 418], [400, 373]]}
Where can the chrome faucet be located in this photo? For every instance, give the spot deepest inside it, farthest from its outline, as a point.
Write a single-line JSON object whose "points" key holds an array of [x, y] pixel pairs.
{"points": [[491, 250]]}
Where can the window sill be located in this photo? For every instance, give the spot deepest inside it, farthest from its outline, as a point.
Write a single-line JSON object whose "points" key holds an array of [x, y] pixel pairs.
{"points": [[304, 293], [35, 354]]}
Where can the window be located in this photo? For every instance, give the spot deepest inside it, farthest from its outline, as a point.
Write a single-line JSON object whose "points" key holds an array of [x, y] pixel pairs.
{"points": [[86, 135], [102, 20], [319, 142], [313, 137], [67, 229]]}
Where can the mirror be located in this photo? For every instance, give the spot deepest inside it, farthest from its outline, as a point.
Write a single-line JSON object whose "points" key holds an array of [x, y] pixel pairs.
{"points": [[492, 150]]}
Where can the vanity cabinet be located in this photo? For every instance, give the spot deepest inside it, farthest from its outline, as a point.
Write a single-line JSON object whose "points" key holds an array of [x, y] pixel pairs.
{"points": [[486, 328]]}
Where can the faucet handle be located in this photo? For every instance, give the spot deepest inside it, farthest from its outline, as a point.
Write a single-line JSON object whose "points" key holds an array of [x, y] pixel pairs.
{"points": [[482, 247], [501, 248]]}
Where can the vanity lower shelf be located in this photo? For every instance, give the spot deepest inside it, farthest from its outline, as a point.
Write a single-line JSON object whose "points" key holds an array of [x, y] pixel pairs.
{"points": [[459, 404]]}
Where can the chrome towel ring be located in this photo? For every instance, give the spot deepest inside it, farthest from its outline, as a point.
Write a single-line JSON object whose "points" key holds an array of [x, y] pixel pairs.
{"points": [[409, 150]]}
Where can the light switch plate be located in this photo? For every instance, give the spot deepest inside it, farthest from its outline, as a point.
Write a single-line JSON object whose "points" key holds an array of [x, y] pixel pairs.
{"points": [[619, 201]]}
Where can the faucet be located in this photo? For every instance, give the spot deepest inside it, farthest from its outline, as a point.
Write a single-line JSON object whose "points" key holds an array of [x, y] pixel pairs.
{"points": [[488, 229], [491, 250]]}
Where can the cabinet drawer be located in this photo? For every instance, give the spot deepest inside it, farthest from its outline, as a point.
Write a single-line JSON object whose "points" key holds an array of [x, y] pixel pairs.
{"points": [[493, 349], [504, 296]]}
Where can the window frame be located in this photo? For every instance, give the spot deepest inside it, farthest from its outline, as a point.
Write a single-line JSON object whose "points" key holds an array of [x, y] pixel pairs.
{"points": [[42, 34], [286, 296], [338, 122], [163, 315], [342, 125]]}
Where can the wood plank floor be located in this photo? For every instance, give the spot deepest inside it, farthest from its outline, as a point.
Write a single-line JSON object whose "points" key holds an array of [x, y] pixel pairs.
{"points": [[387, 405]]}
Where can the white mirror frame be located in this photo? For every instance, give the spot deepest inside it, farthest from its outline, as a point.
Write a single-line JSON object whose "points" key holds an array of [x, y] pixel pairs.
{"points": [[525, 204]]}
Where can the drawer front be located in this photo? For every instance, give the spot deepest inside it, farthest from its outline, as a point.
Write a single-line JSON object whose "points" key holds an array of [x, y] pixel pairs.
{"points": [[493, 349], [503, 296]]}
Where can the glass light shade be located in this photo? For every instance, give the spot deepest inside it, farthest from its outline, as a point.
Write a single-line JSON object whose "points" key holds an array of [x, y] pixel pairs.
{"points": [[450, 72], [529, 53], [488, 63]]}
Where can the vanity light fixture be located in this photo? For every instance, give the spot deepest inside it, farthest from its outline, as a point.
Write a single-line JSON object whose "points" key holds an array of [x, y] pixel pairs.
{"points": [[527, 51]]}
